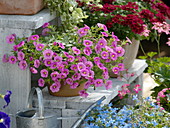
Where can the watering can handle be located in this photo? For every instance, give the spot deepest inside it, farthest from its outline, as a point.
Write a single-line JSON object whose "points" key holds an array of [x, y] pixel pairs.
{"points": [[40, 100]]}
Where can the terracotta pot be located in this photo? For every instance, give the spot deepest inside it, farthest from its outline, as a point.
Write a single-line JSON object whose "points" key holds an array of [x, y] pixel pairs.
{"points": [[66, 91], [21, 7], [130, 55]]}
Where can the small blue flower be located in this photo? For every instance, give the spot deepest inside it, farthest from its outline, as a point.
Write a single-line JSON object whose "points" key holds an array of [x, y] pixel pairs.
{"points": [[154, 123], [4, 120], [7, 98]]}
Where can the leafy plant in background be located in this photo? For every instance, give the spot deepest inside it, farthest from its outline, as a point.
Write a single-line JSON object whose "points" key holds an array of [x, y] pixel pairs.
{"points": [[127, 18], [68, 12], [85, 55], [145, 114], [4, 118]]}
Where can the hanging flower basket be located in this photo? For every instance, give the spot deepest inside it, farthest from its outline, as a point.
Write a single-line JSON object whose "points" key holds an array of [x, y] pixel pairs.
{"points": [[21, 7]]}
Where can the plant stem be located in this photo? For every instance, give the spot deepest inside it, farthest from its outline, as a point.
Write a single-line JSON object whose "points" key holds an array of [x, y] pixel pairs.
{"points": [[157, 40], [142, 49]]}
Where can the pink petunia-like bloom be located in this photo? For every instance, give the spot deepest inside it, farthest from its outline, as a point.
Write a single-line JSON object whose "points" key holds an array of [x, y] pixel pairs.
{"points": [[137, 89], [89, 65], [21, 44], [104, 55], [83, 93], [70, 58], [44, 73], [102, 26], [12, 60], [45, 31], [83, 31], [55, 87], [105, 75], [96, 60], [87, 84], [121, 67], [115, 37], [115, 70], [100, 65], [87, 43], [66, 54], [146, 31], [15, 47], [54, 75], [41, 82], [45, 25], [113, 56], [74, 67], [81, 66], [33, 70], [39, 47], [161, 27], [91, 74], [69, 81], [62, 75], [102, 42], [76, 51], [23, 65], [54, 65], [104, 34], [114, 44], [105, 70], [58, 59], [108, 49], [61, 45], [10, 39], [5, 58], [128, 40], [66, 71], [84, 72], [87, 51], [98, 49], [48, 62], [120, 51], [60, 67], [20, 55], [108, 84], [34, 37], [84, 59], [74, 85], [76, 76], [48, 54], [36, 63], [98, 82]]}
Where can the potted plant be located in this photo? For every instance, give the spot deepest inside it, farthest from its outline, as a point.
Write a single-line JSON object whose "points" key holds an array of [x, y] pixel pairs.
{"points": [[23, 7], [78, 59], [130, 18]]}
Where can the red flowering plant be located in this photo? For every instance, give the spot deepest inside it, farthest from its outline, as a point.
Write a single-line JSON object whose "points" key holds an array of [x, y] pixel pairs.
{"points": [[130, 18], [85, 54]]}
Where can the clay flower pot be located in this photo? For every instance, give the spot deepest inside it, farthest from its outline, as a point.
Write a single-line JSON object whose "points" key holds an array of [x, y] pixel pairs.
{"points": [[21, 7]]}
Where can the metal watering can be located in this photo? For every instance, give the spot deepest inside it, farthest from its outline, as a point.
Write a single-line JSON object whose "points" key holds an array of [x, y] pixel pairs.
{"points": [[40, 118], [36, 117]]}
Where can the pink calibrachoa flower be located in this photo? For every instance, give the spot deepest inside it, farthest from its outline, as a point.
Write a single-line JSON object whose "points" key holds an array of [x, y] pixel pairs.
{"points": [[81, 66], [39, 47], [36, 63], [15, 48], [33, 70], [58, 59], [102, 42], [113, 56], [45, 31], [48, 62], [96, 60], [83, 93], [12, 60], [10, 39], [54, 75], [84, 72], [87, 84], [87, 51], [66, 71], [76, 51], [104, 55], [105, 75], [102, 26], [76, 76], [161, 27], [34, 37], [98, 49], [5, 58], [100, 65], [21, 55], [54, 65], [114, 44], [91, 74], [105, 34], [61, 45], [70, 58], [55, 87], [48, 54], [74, 85], [74, 67], [108, 84], [87, 43], [115, 37], [45, 25], [44, 73], [137, 89], [69, 81], [128, 40], [98, 82], [60, 67], [83, 31], [121, 67], [21, 44], [115, 70], [23, 65], [41, 82], [62, 75], [89, 65], [120, 51], [108, 49]]}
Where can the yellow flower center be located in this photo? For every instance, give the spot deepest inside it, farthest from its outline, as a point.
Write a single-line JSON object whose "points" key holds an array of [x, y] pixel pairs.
{"points": [[1, 120]]}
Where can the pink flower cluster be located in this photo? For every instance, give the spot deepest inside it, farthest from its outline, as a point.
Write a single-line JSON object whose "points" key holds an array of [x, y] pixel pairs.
{"points": [[89, 60], [162, 95]]}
